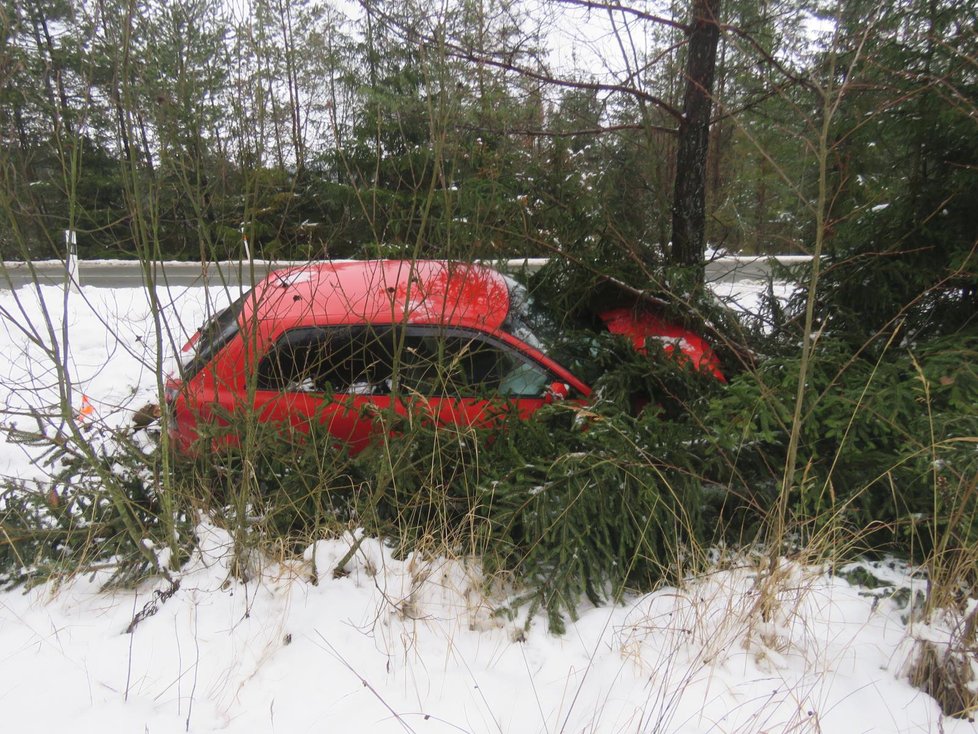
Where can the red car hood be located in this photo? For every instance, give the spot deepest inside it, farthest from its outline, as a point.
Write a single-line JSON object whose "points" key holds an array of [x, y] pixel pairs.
{"points": [[640, 325]]}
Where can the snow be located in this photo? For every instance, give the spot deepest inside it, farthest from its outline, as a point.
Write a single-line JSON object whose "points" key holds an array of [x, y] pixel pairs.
{"points": [[110, 357], [746, 295], [412, 644]]}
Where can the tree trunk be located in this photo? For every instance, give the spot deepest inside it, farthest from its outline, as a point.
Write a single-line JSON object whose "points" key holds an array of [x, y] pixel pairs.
{"points": [[689, 195], [284, 8], [52, 69]]}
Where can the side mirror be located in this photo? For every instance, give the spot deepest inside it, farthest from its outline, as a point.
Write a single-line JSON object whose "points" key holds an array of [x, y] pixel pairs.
{"points": [[557, 391]]}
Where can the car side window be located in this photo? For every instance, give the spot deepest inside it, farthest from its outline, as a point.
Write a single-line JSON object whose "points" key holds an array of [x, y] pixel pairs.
{"points": [[358, 360], [293, 364], [321, 359], [372, 360], [466, 365]]}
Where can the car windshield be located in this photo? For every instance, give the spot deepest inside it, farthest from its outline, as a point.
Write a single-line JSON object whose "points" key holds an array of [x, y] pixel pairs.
{"points": [[573, 342], [527, 320]]}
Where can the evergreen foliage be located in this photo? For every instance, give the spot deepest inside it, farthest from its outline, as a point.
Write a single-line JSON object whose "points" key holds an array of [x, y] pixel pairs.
{"points": [[592, 511], [902, 251], [100, 509], [888, 444], [282, 482]]}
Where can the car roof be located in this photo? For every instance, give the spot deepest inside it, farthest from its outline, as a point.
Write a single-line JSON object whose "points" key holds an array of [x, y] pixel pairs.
{"points": [[383, 292]]}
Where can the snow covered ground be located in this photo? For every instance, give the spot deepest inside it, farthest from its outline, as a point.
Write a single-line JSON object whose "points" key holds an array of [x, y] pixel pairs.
{"points": [[411, 645]]}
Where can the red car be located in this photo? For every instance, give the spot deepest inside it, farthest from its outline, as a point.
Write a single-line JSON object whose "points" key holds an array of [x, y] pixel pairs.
{"points": [[334, 342]]}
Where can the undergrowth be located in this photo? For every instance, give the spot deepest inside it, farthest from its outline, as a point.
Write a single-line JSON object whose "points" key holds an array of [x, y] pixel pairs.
{"points": [[99, 510], [581, 501]]}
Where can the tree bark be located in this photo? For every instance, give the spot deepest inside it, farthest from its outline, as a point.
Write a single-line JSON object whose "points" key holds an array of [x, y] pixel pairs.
{"points": [[689, 195]]}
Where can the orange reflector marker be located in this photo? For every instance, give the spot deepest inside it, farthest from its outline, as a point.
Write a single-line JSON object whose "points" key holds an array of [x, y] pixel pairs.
{"points": [[87, 410]]}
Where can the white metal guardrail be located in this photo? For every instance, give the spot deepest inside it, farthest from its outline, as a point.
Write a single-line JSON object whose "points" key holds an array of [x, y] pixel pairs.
{"points": [[128, 273]]}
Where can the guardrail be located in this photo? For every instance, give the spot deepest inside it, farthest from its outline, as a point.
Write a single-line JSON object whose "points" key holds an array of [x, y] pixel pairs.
{"points": [[129, 273]]}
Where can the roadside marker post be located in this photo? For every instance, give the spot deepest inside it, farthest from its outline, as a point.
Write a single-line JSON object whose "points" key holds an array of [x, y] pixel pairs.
{"points": [[71, 261]]}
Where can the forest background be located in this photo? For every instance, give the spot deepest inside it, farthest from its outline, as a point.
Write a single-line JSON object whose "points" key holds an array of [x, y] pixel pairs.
{"points": [[483, 129]]}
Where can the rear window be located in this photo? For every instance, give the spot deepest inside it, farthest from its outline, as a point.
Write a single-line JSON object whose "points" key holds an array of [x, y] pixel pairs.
{"points": [[214, 336]]}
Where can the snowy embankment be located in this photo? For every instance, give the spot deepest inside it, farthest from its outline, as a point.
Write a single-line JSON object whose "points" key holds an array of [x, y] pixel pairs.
{"points": [[411, 645]]}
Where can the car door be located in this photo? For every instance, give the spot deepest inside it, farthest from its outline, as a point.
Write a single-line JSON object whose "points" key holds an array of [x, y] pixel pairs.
{"points": [[336, 376], [345, 377], [469, 378]]}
